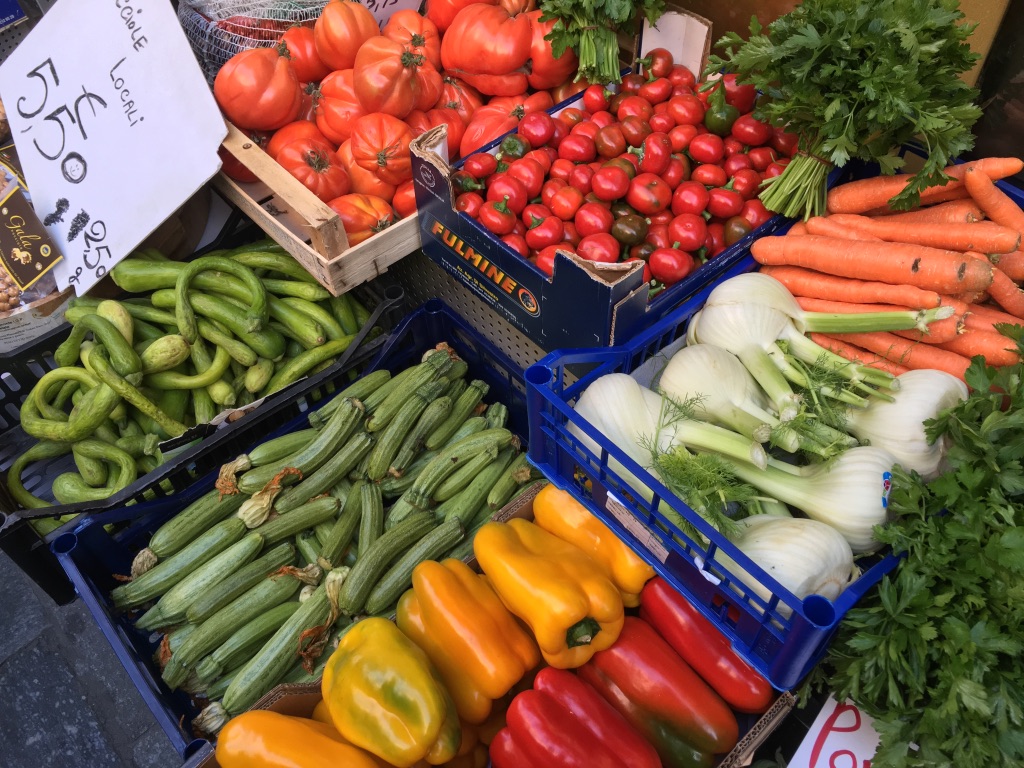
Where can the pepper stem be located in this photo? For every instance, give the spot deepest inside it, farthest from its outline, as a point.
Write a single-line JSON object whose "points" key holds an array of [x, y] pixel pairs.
{"points": [[582, 633]]}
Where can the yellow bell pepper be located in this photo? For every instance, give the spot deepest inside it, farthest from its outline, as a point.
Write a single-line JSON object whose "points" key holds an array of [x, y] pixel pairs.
{"points": [[573, 609], [452, 613], [264, 739], [559, 513], [385, 696]]}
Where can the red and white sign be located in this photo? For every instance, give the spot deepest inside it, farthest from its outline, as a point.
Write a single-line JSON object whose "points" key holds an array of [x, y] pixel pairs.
{"points": [[841, 737]]}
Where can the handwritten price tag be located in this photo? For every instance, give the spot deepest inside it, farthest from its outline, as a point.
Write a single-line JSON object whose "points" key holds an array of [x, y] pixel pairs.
{"points": [[113, 137], [841, 737], [382, 9]]}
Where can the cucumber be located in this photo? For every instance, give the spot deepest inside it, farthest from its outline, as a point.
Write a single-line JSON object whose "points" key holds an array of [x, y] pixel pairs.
{"points": [[222, 593], [371, 521], [342, 530], [464, 506], [462, 410], [323, 479], [306, 516], [244, 642], [399, 576], [392, 436], [358, 390]]}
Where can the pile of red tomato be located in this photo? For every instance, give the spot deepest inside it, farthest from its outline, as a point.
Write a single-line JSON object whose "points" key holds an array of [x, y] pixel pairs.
{"points": [[662, 172], [338, 103]]}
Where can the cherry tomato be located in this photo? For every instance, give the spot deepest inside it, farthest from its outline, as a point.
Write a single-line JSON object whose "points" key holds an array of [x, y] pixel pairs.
{"points": [[610, 183], [600, 247], [632, 83], [657, 236], [633, 160], [635, 106], [724, 203], [740, 96], [595, 98], [655, 153], [565, 202], [545, 232], [661, 217], [635, 130], [736, 228], [541, 157], [630, 230], [707, 148], [590, 197], [688, 230], [680, 75], [686, 110], [602, 118], [561, 168], [681, 136], [497, 217], [732, 146], [751, 131], [578, 149], [517, 243], [537, 128], [519, 228], [551, 186], [469, 203], [592, 218], [647, 269], [530, 173], [784, 143], [648, 193], [746, 182], [755, 213], [509, 188], [581, 177], [588, 129], [610, 141], [572, 235], [642, 251], [677, 172], [656, 91], [762, 157], [670, 265], [662, 122], [735, 163], [561, 131], [715, 242], [690, 197], [623, 163], [533, 213], [658, 62], [546, 258], [571, 115], [710, 175], [481, 165]]}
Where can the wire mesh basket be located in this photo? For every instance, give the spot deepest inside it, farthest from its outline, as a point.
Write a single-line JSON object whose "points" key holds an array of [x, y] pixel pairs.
{"points": [[218, 29]]}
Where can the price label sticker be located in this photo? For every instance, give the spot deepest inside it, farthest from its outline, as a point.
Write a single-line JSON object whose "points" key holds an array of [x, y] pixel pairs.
{"points": [[382, 9], [640, 532], [113, 137]]}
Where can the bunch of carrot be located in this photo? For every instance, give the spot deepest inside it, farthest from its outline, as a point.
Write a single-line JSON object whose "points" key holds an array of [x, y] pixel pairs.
{"points": [[961, 248]]}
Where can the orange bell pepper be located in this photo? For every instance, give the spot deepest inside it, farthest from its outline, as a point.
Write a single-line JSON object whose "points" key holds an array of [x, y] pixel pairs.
{"points": [[264, 739]]}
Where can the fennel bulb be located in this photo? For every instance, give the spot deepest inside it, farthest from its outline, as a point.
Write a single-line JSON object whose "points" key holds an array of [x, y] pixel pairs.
{"points": [[805, 556], [898, 426]]}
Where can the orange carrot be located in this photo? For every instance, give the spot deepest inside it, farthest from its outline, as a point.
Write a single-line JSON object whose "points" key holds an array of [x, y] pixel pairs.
{"points": [[996, 204], [930, 197], [984, 236], [817, 285], [894, 263], [857, 355], [953, 212], [992, 345], [809, 304], [908, 353], [799, 228], [1006, 294], [938, 330], [866, 194], [828, 227], [1011, 263], [983, 318]]}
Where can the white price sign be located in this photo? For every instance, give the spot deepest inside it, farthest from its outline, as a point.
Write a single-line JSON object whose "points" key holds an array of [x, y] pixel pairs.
{"points": [[841, 737], [382, 9], [115, 127]]}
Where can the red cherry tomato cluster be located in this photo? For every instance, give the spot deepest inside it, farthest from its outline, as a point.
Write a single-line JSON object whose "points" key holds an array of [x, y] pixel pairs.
{"points": [[660, 172]]}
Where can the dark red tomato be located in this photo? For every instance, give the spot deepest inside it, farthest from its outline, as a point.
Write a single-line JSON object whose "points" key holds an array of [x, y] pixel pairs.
{"points": [[600, 247], [546, 258], [751, 131], [755, 213], [632, 83], [784, 143], [581, 177], [572, 235], [724, 203], [715, 242], [642, 251], [635, 130], [509, 188], [530, 173], [463, 182], [732, 147], [686, 110], [681, 136], [647, 269], [602, 118], [610, 183], [677, 172], [662, 123], [469, 203], [656, 91], [661, 217], [658, 62], [578, 149], [670, 265], [561, 131], [690, 197], [481, 165], [571, 115], [546, 232], [735, 163], [736, 228], [592, 218], [590, 197], [610, 141], [682, 90], [655, 153], [688, 230], [648, 194], [534, 212], [595, 98], [740, 96], [497, 217], [630, 230], [707, 148], [537, 128], [565, 202], [542, 158], [661, 108], [635, 106], [613, 103], [561, 168], [746, 182], [762, 157], [710, 175], [657, 236], [517, 243], [681, 76], [551, 186]]}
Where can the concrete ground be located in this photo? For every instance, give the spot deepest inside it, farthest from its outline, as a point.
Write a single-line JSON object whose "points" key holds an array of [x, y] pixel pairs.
{"points": [[65, 699]]}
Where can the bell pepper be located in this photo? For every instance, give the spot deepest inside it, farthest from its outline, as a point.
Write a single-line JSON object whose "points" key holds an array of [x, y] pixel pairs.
{"points": [[704, 647], [263, 739], [385, 696], [480, 650], [559, 513], [572, 608], [665, 700], [565, 722]]}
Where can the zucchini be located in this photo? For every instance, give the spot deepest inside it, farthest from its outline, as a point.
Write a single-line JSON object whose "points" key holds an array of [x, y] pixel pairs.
{"points": [[392, 487], [215, 690], [222, 593], [342, 530], [433, 367], [455, 389], [184, 527], [450, 458], [244, 642], [469, 427], [399, 576], [462, 410], [462, 476], [464, 506], [371, 521], [323, 479], [323, 530], [515, 474], [392, 436], [358, 390], [374, 560], [306, 516], [280, 448], [496, 415], [308, 545], [166, 574], [178, 636]]}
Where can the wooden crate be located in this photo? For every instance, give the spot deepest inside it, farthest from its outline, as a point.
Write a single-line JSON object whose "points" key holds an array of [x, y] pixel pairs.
{"points": [[305, 226]]}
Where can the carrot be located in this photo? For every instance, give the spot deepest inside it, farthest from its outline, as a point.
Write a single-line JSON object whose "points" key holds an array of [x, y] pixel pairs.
{"points": [[857, 355], [938, 330], [996, 204], [894, 263], [798, 228], [984, 236], [1011, 263], [828, 227], [817, 285], [983, 318], [809, 304], [1006, 294], [863, 195], [992, 345], [953, 212], [931, 196], [909, 353]]}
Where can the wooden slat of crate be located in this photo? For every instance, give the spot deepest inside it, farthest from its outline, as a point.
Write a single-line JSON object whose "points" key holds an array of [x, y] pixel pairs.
{"points": [[306, 227]]}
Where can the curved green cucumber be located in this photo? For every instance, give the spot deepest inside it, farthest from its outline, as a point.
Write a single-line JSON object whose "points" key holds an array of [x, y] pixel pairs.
{"points": [[266, 343], [115, 314], [274, 261], [317, 314], [296, 289], [341, 308], [122, 356], [299, 366], [106, 374], [98, 403], [45, 449], [165, 353], [258, 313], [174, 380]]}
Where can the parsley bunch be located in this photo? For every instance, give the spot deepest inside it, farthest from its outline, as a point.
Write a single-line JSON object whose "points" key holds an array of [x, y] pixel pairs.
{"points": [[859, 78], [935, 654], [590, 27]]}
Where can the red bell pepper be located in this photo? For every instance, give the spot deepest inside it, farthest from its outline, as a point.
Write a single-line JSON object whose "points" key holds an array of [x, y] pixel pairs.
{"points": [[564, 722], [662, 697], [704, 648]]}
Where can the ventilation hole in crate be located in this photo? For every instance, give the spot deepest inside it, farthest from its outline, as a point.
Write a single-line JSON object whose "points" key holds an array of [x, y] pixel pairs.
{"points": [[9, 382], [36, 369]]}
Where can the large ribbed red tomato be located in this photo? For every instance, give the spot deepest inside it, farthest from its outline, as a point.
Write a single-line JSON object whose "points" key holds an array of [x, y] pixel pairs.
{"points": [[545, 70], [421, 122], [443, 12], [488, 47], [258, 89], [390, 78], [363, 216], [380, 144], [305, 60], [343, 26], [300, 129], [417, 33], [364, 182], [314, 164], [338, 107], [460, 96], [501, 115]]}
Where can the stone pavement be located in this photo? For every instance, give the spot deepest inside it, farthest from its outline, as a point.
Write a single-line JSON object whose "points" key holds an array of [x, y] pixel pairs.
{"points": [[65, 699]]}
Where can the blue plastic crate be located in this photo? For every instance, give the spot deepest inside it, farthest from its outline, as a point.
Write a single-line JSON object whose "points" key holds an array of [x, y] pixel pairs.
{"points": [[90, 555], [783, 648]]}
